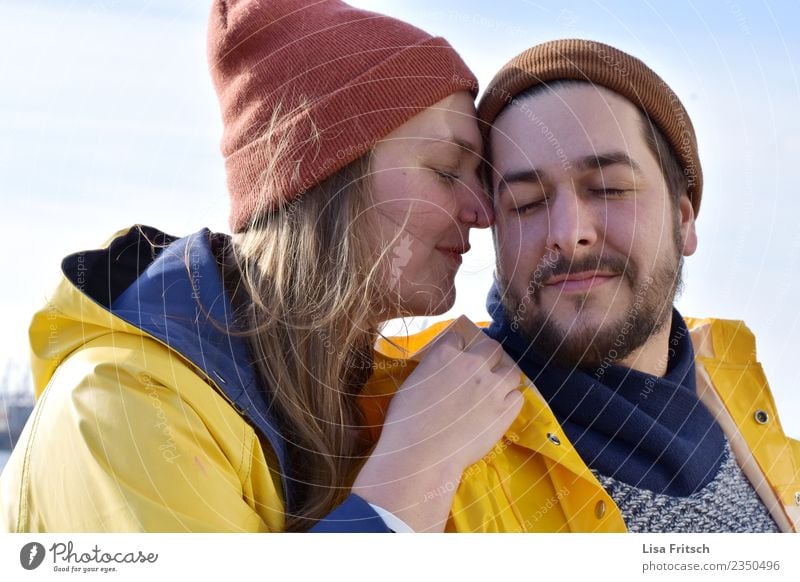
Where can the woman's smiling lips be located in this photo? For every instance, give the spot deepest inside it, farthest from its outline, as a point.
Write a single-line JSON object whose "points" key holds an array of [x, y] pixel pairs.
{"points": [[454, 253], [579, 282]]}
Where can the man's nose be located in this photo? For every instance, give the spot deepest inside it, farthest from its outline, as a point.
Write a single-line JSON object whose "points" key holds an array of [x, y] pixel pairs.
{"points": [[570, 224]]}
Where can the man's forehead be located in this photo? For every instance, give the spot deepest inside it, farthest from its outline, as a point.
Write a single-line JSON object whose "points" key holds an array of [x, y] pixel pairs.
{"points": [[571, 99], [574, 120]]}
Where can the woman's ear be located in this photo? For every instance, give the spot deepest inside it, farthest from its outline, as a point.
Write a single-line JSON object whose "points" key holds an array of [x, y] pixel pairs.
{"points": [[688, 232]]}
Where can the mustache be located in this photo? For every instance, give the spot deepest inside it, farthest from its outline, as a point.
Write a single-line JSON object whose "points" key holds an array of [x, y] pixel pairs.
{"points": [[555, 264]]}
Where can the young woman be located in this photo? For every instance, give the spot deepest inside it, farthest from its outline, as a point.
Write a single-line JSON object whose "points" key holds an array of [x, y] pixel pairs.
{"points": [[209, 383]]}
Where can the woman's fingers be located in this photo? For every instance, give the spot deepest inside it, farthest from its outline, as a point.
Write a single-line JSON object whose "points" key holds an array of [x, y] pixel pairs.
{"points": [[452, 339], [514, 399]]}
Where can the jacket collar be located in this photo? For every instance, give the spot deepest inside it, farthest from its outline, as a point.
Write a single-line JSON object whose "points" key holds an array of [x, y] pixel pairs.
{"points": [[172, 289]]}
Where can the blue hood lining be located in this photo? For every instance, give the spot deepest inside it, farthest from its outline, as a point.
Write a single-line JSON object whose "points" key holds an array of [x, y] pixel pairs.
{"points": [[172, 288]]}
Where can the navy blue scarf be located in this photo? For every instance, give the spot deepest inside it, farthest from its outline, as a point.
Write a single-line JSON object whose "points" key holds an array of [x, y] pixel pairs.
{"points": [[646, 431]]}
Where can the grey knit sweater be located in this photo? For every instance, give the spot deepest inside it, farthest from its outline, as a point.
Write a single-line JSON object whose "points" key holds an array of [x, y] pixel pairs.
{"points": [[727, 504]]}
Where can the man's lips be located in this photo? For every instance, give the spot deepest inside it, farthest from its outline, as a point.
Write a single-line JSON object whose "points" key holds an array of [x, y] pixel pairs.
{"points": [[579, 282]]}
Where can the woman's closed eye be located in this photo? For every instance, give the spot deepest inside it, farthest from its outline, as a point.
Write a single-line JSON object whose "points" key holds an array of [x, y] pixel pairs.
{"points": [[447, 176]]}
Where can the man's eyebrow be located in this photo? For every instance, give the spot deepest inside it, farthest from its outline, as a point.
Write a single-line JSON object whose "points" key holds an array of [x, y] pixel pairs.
{"points": [[528, 175], [597, 161], [591, 162]]}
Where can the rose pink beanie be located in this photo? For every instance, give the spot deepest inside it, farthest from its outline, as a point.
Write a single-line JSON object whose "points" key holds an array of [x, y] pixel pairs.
{"points": [[347, 78]]}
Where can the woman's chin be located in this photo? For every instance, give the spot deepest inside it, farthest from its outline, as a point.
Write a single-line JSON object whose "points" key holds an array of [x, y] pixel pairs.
{"points": [[437, 305], [424, 303]]}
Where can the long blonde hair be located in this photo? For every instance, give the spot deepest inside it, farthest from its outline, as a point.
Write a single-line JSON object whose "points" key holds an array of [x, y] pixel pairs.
{"points": [[315, 300]]}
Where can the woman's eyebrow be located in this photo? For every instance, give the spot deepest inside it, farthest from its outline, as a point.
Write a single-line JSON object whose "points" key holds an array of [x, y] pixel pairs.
{"points": [[450, 140]]}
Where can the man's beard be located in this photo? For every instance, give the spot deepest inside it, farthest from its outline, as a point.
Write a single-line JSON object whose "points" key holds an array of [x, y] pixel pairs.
{"points": [[613, 340]]}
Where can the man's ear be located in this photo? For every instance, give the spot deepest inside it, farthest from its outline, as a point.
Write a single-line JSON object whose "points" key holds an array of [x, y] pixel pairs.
{"points": [[688, 232]]}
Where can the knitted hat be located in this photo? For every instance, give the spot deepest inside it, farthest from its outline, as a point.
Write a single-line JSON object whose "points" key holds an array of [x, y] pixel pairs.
{"points": [[339, 78], [611, 68]]}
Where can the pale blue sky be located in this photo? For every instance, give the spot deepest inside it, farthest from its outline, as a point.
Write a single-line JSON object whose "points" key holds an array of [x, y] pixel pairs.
{"points": [[108, 118]]}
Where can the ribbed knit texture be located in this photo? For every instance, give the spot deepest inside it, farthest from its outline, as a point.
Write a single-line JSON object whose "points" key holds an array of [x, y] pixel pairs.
{"points": [[603, 65], [727, 504], [346, 77]]}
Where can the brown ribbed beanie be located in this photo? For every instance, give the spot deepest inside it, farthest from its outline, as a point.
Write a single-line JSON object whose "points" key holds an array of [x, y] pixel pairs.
{"points": [[350, 77], [603, 65]]}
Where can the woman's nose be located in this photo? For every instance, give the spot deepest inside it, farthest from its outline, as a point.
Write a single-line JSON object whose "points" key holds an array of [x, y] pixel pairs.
{"points": [[476, 211]]}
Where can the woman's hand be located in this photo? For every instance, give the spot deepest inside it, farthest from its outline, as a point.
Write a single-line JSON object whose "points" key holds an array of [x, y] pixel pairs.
{"points": [[448, 414]]}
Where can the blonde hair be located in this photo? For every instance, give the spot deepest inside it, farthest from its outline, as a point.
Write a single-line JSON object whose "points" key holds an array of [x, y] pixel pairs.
{"points": [[315, 298]]}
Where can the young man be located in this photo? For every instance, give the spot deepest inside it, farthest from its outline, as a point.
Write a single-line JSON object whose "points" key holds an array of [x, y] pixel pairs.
{"points": [[596, 184], [640, 420]]}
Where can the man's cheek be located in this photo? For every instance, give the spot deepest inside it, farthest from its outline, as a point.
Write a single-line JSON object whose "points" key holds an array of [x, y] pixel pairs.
{"points": [[509, 266]]}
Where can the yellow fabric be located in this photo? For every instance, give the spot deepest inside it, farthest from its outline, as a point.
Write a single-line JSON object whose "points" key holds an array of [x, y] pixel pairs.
{"points": [[741, 385], [527, 483], [128, 436]]}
